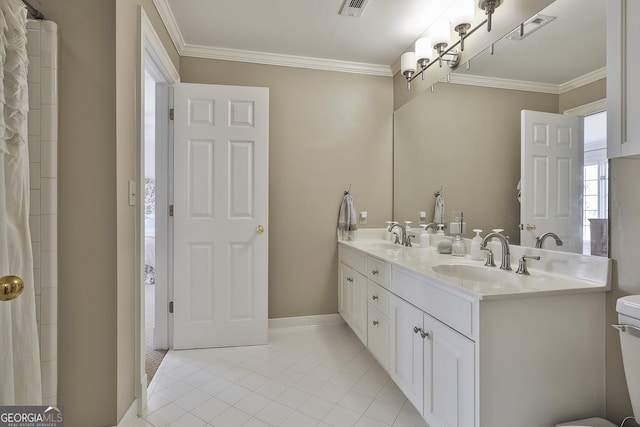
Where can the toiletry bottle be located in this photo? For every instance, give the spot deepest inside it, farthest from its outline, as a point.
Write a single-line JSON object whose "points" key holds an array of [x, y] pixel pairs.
{"points": [[425, 240], [476, 252], [458, 248]]}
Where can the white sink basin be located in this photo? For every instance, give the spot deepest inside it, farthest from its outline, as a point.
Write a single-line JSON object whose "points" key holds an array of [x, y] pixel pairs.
{"points": [[479, 278]]}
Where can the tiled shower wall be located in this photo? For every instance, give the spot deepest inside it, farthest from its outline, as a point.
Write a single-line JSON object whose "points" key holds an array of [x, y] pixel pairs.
{"points": [[42, 48]]}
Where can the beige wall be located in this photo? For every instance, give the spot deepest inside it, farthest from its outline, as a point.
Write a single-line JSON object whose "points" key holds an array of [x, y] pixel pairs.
{"points": [[97, 154], [624, 226], [328, 130], [467, 140], [583, 95]]}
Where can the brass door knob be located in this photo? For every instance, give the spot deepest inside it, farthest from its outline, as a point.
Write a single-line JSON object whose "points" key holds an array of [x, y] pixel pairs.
{"points": [[260, 229], [10, 287], [528, 227]]}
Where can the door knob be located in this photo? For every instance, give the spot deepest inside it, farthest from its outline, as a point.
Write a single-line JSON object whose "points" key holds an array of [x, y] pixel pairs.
{"points": [[260, 229], [10, 287]]}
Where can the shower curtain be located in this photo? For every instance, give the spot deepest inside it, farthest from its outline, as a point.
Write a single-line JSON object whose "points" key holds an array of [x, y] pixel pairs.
{"points": [[20, 381]]}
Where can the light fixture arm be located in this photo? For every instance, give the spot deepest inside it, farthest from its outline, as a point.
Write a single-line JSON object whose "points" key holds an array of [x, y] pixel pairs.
{"points": [[489, 6]]}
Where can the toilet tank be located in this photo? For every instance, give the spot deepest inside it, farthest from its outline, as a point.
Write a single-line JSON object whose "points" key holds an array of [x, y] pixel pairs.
{"points": [[629, 326]]}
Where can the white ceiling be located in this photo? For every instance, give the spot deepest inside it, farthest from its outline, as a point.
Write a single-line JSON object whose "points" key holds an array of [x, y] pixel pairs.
{"points": [[313, 34]]}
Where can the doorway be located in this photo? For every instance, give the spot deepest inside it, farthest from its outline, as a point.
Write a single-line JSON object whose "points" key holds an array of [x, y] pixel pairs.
{"points": [[596, 185], [154, 350]]}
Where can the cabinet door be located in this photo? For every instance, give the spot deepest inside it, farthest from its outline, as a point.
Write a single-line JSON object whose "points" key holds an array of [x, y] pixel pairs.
{"points": [[378, 336], [344, 285], [449, 376], [623, 78], [406, 352], [358, 306]]}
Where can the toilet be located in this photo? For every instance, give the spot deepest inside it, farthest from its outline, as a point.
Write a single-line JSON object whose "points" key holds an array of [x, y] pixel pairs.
{"points": [[628, 309]]}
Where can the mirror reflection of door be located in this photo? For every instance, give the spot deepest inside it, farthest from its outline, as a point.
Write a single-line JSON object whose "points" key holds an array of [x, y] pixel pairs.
{"points": [[565, 191]]}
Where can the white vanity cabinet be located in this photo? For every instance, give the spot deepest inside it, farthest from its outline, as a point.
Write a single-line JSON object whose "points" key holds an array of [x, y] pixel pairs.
{"points": [[433, 365], [623, 79], [470, 359]]}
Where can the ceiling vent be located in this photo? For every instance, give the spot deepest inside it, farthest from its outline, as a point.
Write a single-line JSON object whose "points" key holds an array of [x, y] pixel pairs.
{"points": [[529, 26], [353, 8]]}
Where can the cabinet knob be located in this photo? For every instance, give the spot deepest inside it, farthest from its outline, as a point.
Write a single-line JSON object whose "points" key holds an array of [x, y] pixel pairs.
{"points": [[424, 334], [349, 279], [374, 272], [374, 297], [375, 323], [416, 329]]}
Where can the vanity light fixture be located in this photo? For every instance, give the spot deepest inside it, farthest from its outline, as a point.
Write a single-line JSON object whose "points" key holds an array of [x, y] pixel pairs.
{"points": [[408, 66], [439, 38], [489, 6]]}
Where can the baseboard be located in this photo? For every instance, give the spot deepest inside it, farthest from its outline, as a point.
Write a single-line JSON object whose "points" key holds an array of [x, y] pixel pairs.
{"points": [[306, 321], [130, 416]]}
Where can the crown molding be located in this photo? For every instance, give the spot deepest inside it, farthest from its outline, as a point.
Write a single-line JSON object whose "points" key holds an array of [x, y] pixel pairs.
{"points": [[591, 77], [169, 21], [285, 60], [492, 82]]}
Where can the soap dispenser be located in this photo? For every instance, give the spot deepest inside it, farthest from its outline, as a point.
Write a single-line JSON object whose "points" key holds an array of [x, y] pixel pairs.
{"points": [[458, 248], [425, 237], [476, 252]]}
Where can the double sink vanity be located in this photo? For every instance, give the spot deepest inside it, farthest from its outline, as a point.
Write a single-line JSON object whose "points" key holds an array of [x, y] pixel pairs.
{"points": [[477, 346]]}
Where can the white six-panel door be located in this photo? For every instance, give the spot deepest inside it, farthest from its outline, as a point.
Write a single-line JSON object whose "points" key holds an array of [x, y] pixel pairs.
{"points": [[221, 156], [551, 178]]}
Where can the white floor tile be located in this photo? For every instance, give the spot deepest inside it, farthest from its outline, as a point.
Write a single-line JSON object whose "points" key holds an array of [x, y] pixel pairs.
{"points": [[370, 422], [233, 394], [254, 422], [383, 412], [274, 414], [192, 399], [298, 419], [293, 398], [253, 403], [356, 402], [272, 389], [166, 415], [341, 417], [409, 419], [210, 409], [232, 417], [316, 407], [189, 420], [331, 392]]}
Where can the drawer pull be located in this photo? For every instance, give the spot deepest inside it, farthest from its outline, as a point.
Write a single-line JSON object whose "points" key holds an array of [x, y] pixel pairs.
{"points": [[374, 297], [374, 272], [375, 323]]}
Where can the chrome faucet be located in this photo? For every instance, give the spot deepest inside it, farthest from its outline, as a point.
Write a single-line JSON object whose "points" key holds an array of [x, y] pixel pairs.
{"points": [[431, 225], [540, 239], [506, 253], [399, 240]]}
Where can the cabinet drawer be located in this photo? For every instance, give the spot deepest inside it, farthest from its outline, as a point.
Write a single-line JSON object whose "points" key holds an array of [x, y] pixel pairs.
{"points": [[378, 297], [354, 259], [378, 271], [451, 309]]}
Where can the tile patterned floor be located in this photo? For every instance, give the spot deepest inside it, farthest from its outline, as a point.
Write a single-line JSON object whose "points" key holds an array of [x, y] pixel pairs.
{"points": [[314, 376]]}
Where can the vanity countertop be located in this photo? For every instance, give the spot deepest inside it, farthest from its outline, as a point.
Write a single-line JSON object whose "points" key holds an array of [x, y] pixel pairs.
{"points": [[556, 273]]}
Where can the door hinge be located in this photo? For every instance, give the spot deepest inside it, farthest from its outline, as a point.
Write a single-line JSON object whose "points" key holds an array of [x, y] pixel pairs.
{"points": [[171, 114], [171, 307], [170, 210]]}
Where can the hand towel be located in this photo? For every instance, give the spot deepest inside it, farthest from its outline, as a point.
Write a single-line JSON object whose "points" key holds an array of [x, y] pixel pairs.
{"points": [[438, 213], [347, 219]]}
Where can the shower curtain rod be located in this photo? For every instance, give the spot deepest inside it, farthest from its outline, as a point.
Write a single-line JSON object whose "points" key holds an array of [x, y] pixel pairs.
{"points": [[35, 13]]}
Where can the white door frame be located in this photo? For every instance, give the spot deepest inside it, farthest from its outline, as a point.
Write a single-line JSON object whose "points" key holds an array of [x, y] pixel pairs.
{"points": [[151, 56]]}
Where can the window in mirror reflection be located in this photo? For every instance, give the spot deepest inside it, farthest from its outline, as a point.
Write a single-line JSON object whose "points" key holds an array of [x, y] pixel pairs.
{"points": [[596, 184]]}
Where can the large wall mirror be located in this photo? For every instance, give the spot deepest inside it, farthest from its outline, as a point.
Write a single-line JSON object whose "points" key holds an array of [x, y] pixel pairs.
{"points": [[463, 137]]}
